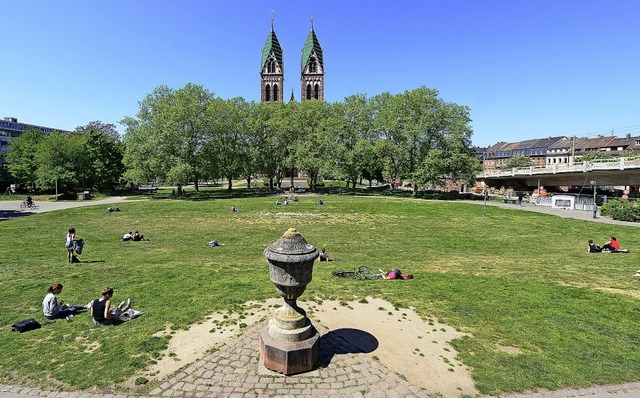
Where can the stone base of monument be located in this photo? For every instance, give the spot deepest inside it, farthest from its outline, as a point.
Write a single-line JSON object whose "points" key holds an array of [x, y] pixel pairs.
{"points": [[289, 357]]}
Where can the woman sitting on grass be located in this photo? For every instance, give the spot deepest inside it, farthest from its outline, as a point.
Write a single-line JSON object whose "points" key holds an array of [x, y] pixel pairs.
{"points": [[54, 310], [101, 310]]}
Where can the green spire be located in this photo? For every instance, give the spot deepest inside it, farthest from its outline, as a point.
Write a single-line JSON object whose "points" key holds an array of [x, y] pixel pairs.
{"points": [[312, 45], [272, 45]]}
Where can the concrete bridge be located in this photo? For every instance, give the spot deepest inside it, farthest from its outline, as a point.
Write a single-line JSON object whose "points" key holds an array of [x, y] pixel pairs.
{"points": [[621, 172]]}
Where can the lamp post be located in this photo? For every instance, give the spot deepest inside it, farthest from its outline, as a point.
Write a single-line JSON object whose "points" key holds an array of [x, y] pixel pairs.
{"points": [[595, 205], [484, 194]]}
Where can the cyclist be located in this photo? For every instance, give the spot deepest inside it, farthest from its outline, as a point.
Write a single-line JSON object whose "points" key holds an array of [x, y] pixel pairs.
{"points": [[29, 201]]}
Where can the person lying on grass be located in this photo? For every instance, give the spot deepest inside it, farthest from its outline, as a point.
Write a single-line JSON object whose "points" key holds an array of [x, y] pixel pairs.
{"points": [[394, 274]]}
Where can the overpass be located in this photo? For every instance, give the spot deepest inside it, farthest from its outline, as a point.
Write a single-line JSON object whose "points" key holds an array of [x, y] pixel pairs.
{"points": [[619, 172]]}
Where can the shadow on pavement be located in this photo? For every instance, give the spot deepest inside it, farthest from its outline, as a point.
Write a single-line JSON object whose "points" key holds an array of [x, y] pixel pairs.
{"points": [[6, 214], [345, 341]]}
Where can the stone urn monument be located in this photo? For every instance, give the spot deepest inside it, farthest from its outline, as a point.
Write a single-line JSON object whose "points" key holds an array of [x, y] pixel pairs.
{"points": [[289, 344]]}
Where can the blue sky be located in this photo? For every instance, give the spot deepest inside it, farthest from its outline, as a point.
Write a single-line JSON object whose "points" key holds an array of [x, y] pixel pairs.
{"points": [[527, 69]]}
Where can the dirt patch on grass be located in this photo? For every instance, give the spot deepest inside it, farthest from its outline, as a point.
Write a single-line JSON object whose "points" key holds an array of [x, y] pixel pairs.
{"points": [[407, 344]]}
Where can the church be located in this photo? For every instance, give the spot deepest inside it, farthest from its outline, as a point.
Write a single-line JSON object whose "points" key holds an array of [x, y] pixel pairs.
{"points": [[272, 69]]}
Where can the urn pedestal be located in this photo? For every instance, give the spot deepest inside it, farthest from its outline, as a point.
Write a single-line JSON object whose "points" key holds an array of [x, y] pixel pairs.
{"points": [[289, 343]]}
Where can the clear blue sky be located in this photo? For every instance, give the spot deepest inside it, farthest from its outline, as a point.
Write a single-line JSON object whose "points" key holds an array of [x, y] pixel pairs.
{"points": [[527, 69]]}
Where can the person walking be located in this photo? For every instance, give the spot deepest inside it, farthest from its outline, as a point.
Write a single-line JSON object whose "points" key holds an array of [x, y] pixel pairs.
{"points": [[70, 243]]}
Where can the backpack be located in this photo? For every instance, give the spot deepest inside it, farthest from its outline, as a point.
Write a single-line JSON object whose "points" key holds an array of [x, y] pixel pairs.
{"points": [[25, 326], [79, 246]]}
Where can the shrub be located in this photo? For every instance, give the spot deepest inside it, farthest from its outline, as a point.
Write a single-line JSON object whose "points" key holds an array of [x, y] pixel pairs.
{"points": [[621, 210]]}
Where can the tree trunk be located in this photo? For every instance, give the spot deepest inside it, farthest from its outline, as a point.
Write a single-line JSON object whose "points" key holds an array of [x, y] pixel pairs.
{"points": [[179, 190], [229, 184], [271, 183], [249, 182], [292, 171], [195, 184]]}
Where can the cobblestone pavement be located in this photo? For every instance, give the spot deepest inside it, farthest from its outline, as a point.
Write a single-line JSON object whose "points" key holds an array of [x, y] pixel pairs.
{"points": [[235, 370]]}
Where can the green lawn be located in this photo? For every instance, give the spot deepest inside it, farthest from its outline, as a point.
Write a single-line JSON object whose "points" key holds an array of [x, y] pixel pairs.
{"points": [[513, 278]]}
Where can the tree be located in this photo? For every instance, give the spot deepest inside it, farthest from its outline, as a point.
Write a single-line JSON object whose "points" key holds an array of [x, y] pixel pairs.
{"points": [[21, 158], [354, 121], [518, 161], [109, 130], [594, 155], [369, 160], [58, 161], [270, 127], [103, 160], [311, 145], [226, 145], [167, 138]]}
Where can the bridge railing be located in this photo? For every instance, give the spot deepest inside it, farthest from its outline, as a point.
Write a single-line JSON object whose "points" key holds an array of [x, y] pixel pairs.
{"points": [[586, 166]]}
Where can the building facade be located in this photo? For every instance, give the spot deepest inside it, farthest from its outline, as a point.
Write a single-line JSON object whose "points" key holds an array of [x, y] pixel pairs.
{"points": [[11, 128]]}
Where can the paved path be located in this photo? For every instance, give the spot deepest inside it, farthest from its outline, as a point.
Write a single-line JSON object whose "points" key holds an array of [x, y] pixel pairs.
{"points": [[565, 213], [235, 369], [11, 208]]}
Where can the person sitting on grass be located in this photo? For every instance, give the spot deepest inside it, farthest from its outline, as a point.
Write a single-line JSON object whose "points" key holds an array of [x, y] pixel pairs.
{"points": [[593, 248], [137, 237], [127, 237], [54, 310], [612, 245], [323, 256], [101, 311]]}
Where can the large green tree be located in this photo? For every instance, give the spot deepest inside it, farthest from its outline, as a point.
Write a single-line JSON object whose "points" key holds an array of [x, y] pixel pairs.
{"points": [[270, 127], [353, 125], [21, 158], [310, 140], [167, 137], [102, 157], [59, 161], [108, 129]]}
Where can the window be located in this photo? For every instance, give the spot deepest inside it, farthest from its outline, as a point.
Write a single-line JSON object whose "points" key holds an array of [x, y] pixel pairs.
{"points": [[275, 92], [316, 91], [313, 65], [308, 91], [267, 93], [271, 65]]}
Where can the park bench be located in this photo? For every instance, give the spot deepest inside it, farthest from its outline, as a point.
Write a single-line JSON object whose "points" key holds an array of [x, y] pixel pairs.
{"points": [[148, 190], [510, 200]]}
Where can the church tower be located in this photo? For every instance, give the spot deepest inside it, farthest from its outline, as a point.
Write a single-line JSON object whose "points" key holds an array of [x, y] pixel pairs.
{"points": [[272, 69], [312, 68]]}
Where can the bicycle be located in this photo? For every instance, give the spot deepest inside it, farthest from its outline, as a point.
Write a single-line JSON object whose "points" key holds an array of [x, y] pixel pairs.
{"points": [[28, 205], [363, 273]]}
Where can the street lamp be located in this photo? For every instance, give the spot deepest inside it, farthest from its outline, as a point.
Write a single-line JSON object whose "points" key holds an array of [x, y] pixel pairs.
{"points": [[484, 193], [595, 206]]}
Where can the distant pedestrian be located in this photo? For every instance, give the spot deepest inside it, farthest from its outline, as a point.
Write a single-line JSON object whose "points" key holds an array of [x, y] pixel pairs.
{"points": [[70, 243], [520, 198]]}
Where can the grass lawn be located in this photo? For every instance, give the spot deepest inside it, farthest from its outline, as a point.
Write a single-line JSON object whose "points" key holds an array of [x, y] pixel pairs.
{"points": [[512, 278]]}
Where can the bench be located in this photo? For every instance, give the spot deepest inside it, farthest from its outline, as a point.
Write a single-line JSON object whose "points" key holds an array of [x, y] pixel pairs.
{"points": [[86, 195], [510, 200], [148, 190]]}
